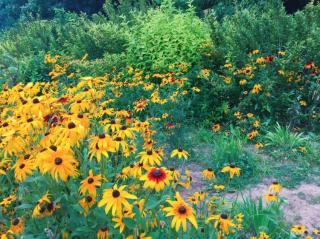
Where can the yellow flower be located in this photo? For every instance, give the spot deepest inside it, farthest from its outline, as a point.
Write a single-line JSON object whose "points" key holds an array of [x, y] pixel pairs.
{"points": [[103, 233], [303, 103], [115, 198], [218, 187], [60, 164], [259, 145], [228, 65], [180, 211], [270, 197], [243, 82], [256, 88], [90, 183], [227, 80], [239, 217], [216, 127], [298, 229], [180, 153], [208, 173], [232, 170], [17, 226], [222, 221], [86, 203], [150, 157], [275, 187]]}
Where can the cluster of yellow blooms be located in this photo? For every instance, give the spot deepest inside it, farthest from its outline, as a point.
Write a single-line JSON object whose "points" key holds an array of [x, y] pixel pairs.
{"points": [[69, 150]]}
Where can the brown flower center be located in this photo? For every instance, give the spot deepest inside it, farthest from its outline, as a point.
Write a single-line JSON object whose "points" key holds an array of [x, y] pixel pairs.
{"points": [[15, 221], [88, 199], [71, 125], [149, 152], [115, 193], [21, 166], [90, 180], [224, 216], [182, 210], [58, 161]]}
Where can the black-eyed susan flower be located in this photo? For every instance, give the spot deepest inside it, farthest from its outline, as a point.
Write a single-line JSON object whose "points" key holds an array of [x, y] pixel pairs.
{"points": [[180, 153], [239, 217], [180, 211], [119, 223], [298, 229], [17, 225], [90, 184], [87, 202], [6, 202], [232, 170], [270, 197], [216, 128], [22, 169], [60, 164], [275, 187], [208, 173], [156, 178], [218, 187], [115, 198], [150, 157], [222, 221], [103, 233]]}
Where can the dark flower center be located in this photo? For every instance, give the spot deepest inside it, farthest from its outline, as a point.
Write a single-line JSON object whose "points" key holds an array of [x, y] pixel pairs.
{"points": [[80, 116], [115, 193], [210, 169], [27, 156], [149, 152], [29, 120], [131, 166], [71, 125], [5, 124], [118, 139], [58, 161], [224, 216], [21, 166], [104, 229], [54, 148], [112, 121], [232, 166], [180, 150], [90, 180], [88, 199], [157, 173], [35, 101], [182, 210], [102, 136], [124, 127], [15, 221], [275, 183]]}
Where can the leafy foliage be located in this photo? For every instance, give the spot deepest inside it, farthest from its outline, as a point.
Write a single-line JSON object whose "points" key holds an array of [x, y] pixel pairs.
{"points": [[164, 36]]}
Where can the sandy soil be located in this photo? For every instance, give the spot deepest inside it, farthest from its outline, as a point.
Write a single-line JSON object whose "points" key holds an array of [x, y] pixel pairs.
{"points": [[303, 202]]}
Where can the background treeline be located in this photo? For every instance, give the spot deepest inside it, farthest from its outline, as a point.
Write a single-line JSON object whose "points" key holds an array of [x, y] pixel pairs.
{"points": [[13, 11]]}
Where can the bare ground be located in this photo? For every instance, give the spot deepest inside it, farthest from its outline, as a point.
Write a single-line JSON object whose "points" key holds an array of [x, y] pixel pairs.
{"points": [[303, 202]]}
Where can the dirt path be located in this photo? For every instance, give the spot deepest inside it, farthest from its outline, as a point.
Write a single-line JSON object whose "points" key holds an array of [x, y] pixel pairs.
{"points": [[303, 202]]}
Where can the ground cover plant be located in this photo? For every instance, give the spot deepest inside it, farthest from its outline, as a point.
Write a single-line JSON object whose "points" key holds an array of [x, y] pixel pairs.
{"points": [[159, 119]]}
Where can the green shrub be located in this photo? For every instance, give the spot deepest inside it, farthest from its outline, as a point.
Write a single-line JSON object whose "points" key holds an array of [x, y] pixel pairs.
{"points": [[67, 34], [165, 36]]}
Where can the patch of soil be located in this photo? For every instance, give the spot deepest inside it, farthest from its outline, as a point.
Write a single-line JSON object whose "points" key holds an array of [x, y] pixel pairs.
{"points": [[303, 202]]}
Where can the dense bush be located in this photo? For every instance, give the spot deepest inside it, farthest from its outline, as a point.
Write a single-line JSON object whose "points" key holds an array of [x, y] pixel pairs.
{"points": [[67, 34], [164, 36]]}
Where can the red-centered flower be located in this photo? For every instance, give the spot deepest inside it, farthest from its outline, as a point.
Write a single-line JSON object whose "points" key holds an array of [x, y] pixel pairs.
{"points": [[269, 58], [156, 178]]}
